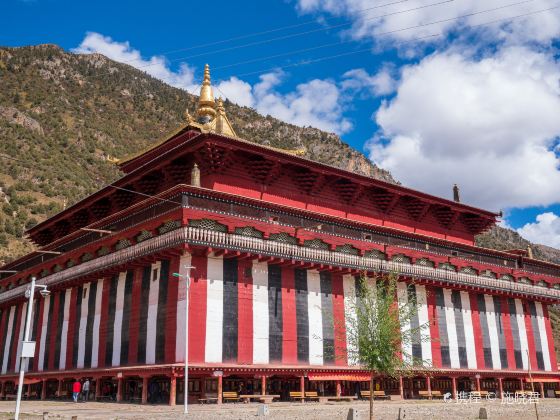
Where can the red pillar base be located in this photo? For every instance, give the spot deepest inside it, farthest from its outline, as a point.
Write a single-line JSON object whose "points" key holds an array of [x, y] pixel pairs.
{"points": [[172, 390], [145, 390]]}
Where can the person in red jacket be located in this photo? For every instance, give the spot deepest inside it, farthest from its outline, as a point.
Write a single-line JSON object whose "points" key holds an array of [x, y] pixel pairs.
{"points": [[76, 389]]}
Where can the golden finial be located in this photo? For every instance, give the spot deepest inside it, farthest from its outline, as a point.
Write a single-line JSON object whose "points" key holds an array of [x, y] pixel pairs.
{"points": [[206, 110]]}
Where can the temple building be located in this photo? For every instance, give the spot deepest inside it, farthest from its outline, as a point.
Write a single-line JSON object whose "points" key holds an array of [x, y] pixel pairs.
{"points": [[277, 242]]}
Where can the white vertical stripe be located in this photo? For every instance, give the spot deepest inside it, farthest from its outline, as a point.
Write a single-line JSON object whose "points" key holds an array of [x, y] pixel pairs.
{"points": [[519, 314], [43, 333], [214, 310], [96, 323], [469, 331], [493, 332], [349, 285], [402, 299], [315, 316], [23, 317], [451, 329], [8, 339], [260, 313], [64, 333], [153, 298], [423, 320], [184, 261], [83, 324], [544, 338], [117, 332]]}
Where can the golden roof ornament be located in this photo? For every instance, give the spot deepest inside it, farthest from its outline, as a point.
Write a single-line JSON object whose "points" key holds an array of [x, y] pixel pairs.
{"points": [[206, 109], [210, 116]]}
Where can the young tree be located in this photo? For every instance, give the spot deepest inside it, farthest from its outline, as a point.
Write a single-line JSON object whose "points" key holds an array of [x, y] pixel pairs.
{"points": [[379, 330]]}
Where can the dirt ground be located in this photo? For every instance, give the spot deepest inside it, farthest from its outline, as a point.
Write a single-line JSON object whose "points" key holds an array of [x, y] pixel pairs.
{"points": [[409, 410]]}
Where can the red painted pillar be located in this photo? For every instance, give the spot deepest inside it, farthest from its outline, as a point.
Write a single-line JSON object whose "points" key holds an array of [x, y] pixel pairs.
{"points": [[501, 388], [542, 389], [263, 385], [429, 382], [145, 390], [338, 321], [401, 390], [220, 385], [44, 390], [338, 389], [521, 384], [119, 389], [245, 312], [172, 390], [302, 388], [478, 384], [454, 387], [289, 334], [97, 388], [59, 389]]}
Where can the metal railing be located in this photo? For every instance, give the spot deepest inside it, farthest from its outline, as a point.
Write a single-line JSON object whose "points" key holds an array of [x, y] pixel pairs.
{"points": [[221, 240]]}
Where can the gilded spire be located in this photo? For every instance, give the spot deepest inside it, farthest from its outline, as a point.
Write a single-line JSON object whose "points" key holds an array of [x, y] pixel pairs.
{"points": [[206, 110]]}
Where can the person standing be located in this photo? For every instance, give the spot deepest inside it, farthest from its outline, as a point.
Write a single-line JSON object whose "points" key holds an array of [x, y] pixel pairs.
{"points": [[85, 390], [76, 388]]}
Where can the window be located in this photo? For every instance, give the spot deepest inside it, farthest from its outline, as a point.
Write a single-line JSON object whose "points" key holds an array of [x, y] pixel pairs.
{"points": [[154, 274]]}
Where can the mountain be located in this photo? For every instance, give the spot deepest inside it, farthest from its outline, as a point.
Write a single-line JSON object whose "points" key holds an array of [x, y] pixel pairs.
{"points": [[63, 116], [503, 239]]}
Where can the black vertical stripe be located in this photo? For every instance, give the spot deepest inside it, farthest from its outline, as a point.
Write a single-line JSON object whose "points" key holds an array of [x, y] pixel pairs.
{"points": [[5, 313], [325, 281], [143, 326], [60, 320], [127, 307], [442, 325], [162, 311], [416, 339], [486, 346], [37, 306], [302, 316], [230, 304], [501, 333], [275, 313], [515, 334], [460, 328], [89, 324], [111, 321], [536, 334]]}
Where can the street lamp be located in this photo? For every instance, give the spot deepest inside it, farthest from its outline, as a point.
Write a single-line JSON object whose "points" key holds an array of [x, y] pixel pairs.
{"points": [[28, 347], [187, 278]]}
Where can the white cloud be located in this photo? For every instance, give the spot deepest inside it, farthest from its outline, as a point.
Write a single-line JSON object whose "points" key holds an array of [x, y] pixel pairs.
{"points": [[122, 52], [537, 27], [545, 230], [318, 103], [380, 84], [487, 124], [237, 91]]}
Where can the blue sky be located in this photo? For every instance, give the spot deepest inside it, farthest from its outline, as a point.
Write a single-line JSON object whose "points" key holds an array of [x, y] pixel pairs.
{"points": [[436, 91]]}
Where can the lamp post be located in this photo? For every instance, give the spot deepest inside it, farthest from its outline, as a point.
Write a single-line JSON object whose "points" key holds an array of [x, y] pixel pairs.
{"points": [[28, 347], [187, 278]]}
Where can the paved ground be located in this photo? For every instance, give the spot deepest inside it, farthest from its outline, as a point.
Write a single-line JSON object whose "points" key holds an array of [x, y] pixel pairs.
{"points": [[409, 410]]}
